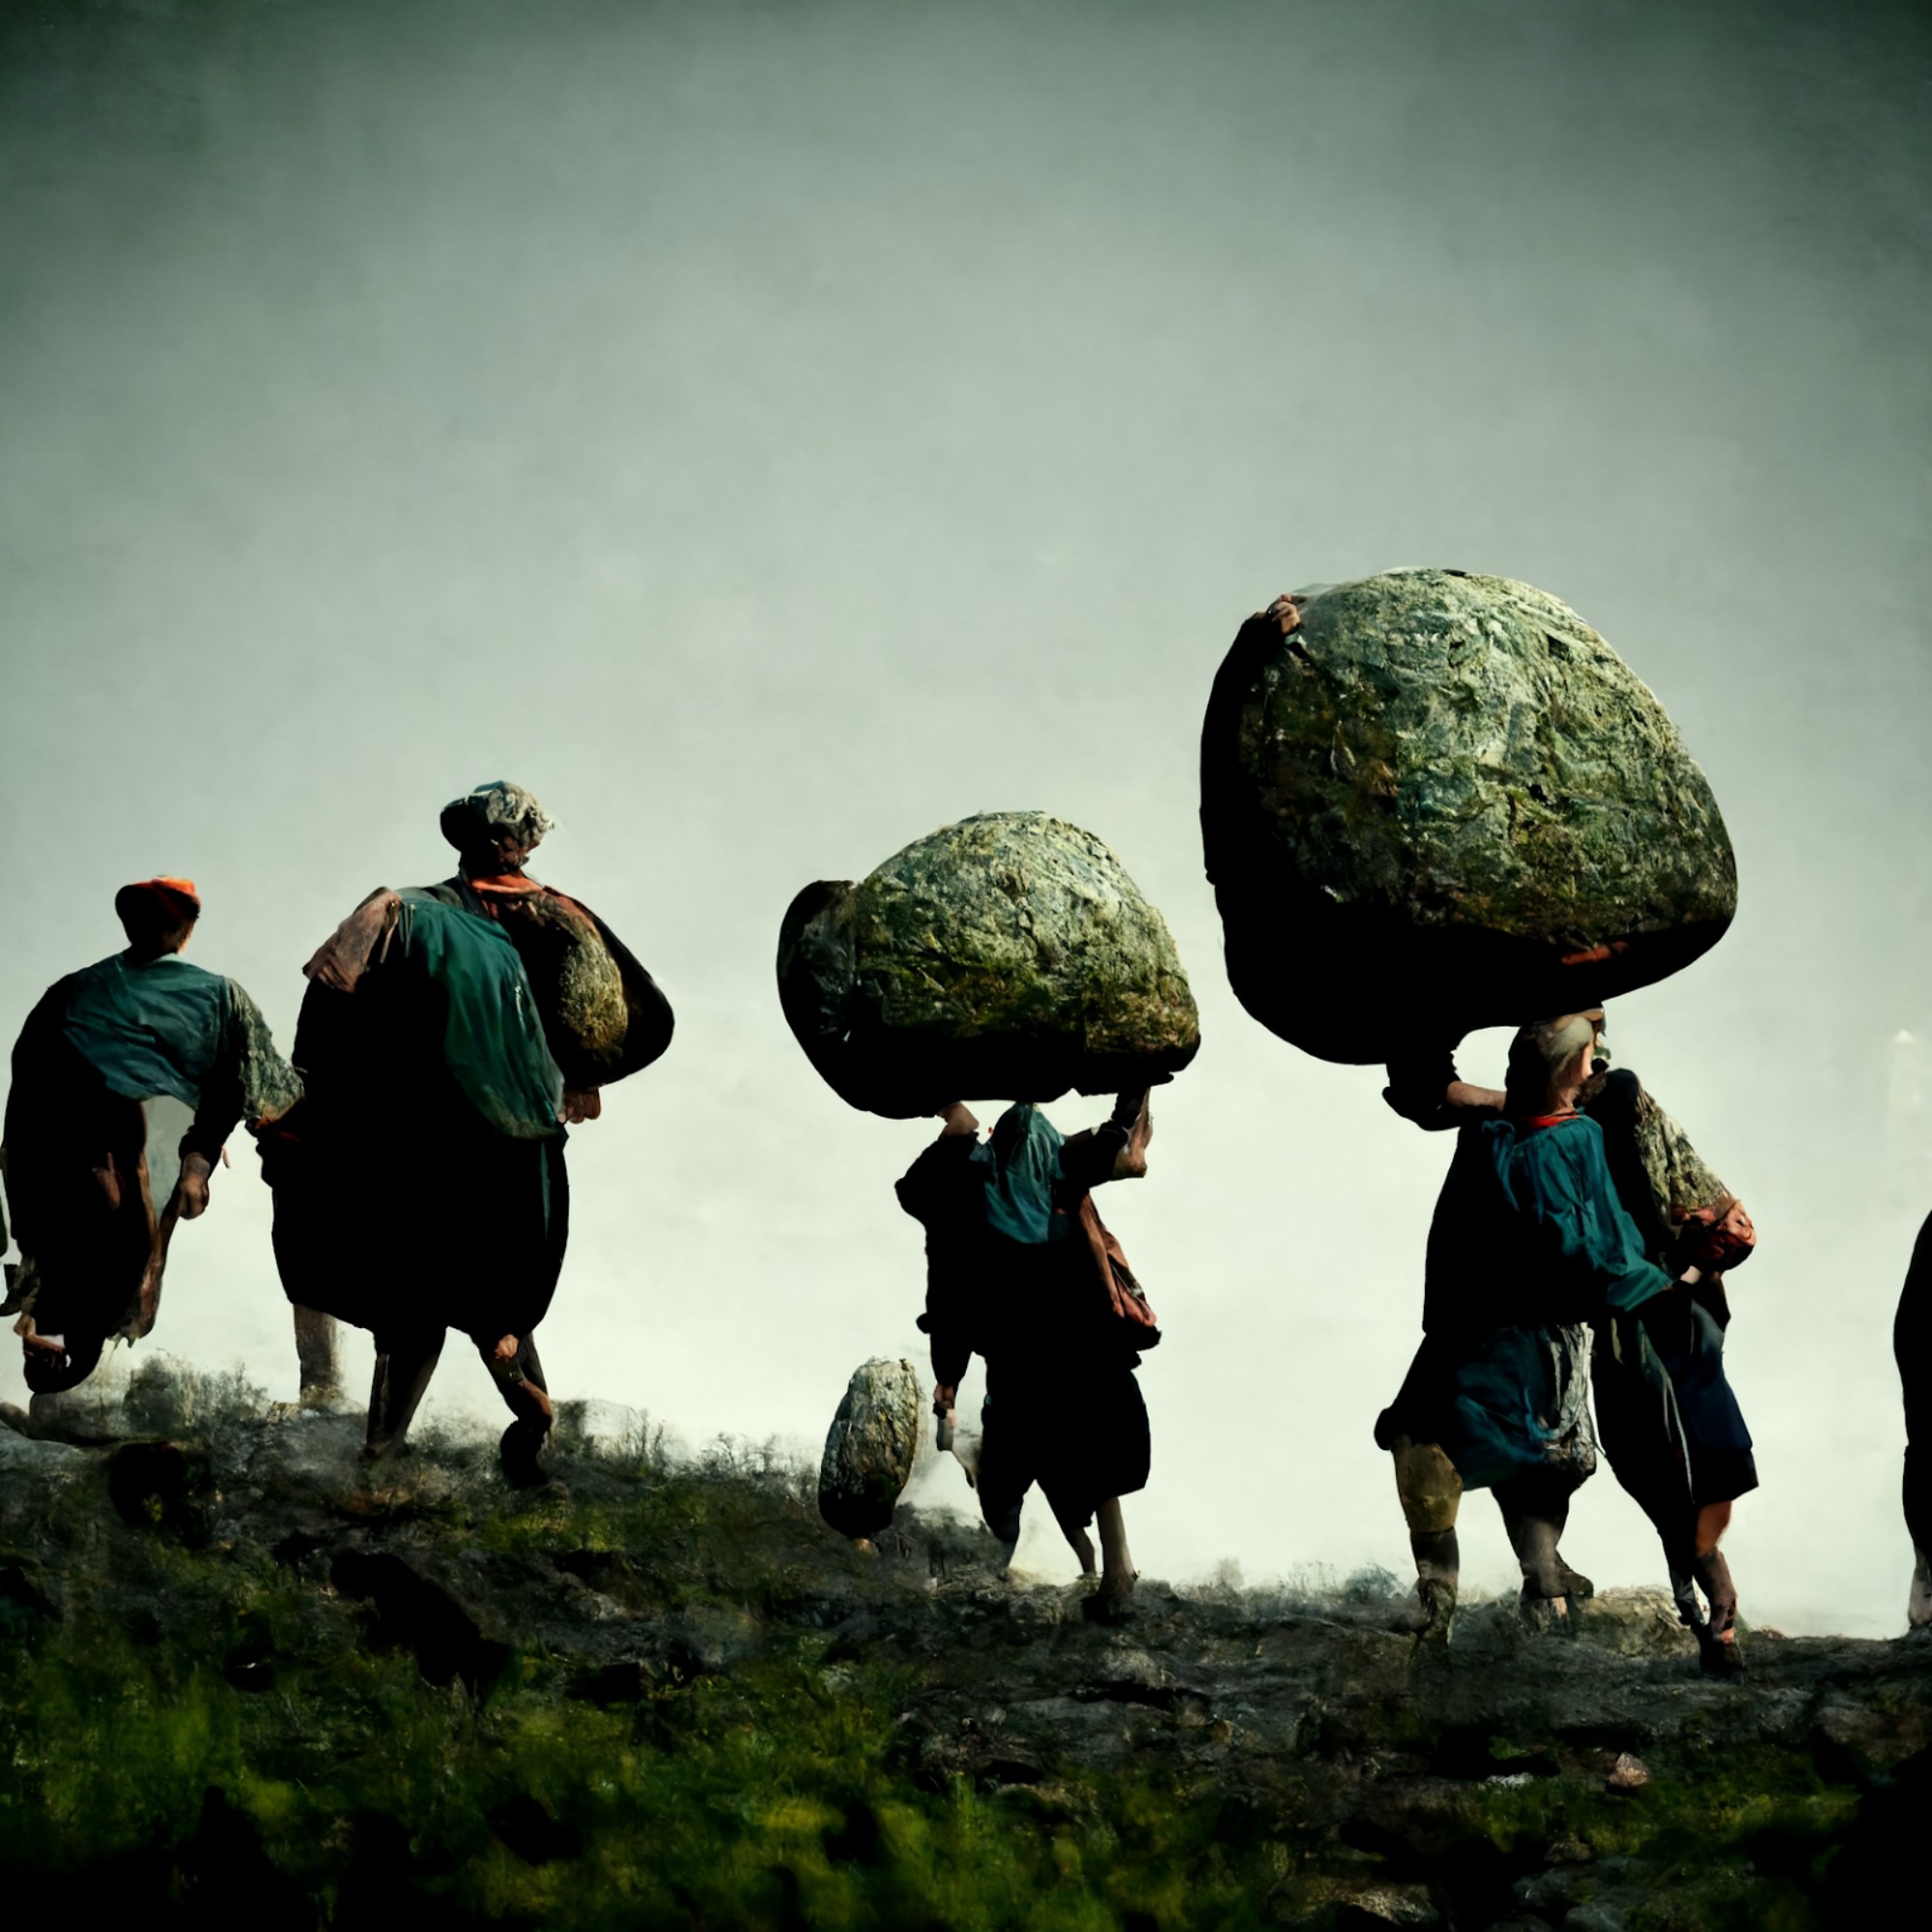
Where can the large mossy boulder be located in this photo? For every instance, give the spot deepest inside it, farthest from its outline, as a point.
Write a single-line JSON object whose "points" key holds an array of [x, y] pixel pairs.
{"points": [[1433, 801], [871, 1448], [1008, 955]]}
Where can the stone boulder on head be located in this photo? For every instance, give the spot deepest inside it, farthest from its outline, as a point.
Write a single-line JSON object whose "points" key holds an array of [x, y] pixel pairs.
{"points": [[1434, 801], [1007, 956]]}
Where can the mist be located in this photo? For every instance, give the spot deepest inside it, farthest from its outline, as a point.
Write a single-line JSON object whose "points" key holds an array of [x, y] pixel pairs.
{"points": [[772, 432]]}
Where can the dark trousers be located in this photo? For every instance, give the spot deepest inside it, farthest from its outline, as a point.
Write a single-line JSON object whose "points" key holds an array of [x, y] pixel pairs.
{"points": [[406, 1358]]}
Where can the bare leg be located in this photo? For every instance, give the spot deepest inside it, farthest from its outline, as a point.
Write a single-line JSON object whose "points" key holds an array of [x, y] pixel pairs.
{"points": [[1116, 1560], [1113, 1602], [404, 1365], [1078, 1541], [315, 1353], [1720, 1636], [1918, 1608]]}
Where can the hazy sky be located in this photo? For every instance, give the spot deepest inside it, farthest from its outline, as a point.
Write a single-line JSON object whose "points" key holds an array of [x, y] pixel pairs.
{"points": [[772, 432]]}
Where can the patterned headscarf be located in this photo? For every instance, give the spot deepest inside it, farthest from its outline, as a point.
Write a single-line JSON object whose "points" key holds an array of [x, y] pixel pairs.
{"points": [[477, 818], [1541, 1051], [1024, 1154]]}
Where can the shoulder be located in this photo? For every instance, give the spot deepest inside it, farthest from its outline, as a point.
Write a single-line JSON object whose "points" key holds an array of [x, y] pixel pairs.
{"points": [[1570, 1147], [241, 1000], [180, 975]]}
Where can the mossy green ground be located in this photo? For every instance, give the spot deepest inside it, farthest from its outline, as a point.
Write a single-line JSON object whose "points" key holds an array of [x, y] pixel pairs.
{"points": [[678, 1700]]}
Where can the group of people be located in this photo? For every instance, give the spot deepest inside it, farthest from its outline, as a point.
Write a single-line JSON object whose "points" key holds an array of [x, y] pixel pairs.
{"points": [[1573, 1207], [498, 1007], [1580, 1243]]}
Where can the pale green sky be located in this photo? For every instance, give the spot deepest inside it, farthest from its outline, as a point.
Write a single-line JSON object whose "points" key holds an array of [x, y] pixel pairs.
{"points": [[771, 432]]}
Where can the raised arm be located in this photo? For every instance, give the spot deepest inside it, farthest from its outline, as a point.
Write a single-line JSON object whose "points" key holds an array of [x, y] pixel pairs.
{"points": [[1114, 1150], [1426, 1087]]}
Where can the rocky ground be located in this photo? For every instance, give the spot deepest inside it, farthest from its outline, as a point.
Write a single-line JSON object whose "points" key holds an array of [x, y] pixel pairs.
{"points": [[241, 1676]]}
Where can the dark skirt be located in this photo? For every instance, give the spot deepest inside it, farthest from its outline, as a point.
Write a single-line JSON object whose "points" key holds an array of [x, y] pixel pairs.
{"points": [[1671, 1425], [1083, 1439], [1691, 1345], [466, 1231]]}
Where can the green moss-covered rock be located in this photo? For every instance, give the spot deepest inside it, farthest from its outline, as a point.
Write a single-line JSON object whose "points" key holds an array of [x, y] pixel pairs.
{"points": [[1008, 955], [870, 1447], [1443, 799]]}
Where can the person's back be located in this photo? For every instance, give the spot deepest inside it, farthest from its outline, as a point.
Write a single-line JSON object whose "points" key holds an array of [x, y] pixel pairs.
{"points": [[96, 1191], [1911, 1350], [421, 1013], [1021, 1272]]}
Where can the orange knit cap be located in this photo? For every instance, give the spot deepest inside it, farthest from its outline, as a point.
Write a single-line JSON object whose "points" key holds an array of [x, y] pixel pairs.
{"points": [[178, 896]]}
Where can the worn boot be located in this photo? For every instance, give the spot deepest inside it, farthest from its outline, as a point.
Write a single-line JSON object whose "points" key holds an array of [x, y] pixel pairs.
{"points": [[404, 1365], [1439, 1569], [1690, 1611], [1534, 1523], [1918, 1608]]}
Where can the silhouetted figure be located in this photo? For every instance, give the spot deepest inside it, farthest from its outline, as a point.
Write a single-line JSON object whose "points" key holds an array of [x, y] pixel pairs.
{"points": [[96, 1188], [1528, 1244], [447, 1034], [1911, 1345], [1020, 1271], [1670, 1425]]}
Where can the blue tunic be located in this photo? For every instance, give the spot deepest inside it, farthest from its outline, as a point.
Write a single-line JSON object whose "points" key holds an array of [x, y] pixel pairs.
{"points": [[1529, 1238]]}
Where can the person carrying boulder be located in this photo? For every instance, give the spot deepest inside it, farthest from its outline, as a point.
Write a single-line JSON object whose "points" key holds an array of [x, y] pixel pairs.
{"points": [[1021, 1271], [97, 1179], [1667, 1419], [1528, 1244], [1911, 1350], [447, 1034]]}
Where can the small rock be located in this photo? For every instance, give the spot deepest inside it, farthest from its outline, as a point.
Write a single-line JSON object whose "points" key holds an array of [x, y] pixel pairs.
{"points": [[1627, 1774], [1387, 1905], [29, 1455], [1597, 1915], [869, 1448], [1551, 1892], [1638, 1622]]}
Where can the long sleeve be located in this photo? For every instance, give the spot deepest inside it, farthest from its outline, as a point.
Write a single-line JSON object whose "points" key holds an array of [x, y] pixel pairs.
{"points": [[249, 1081], [937, 1190]]}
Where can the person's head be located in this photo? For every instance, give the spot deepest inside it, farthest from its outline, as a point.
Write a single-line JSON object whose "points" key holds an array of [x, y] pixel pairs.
{"points": [[158, 915], [1551, 1061], [494, 827]]}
